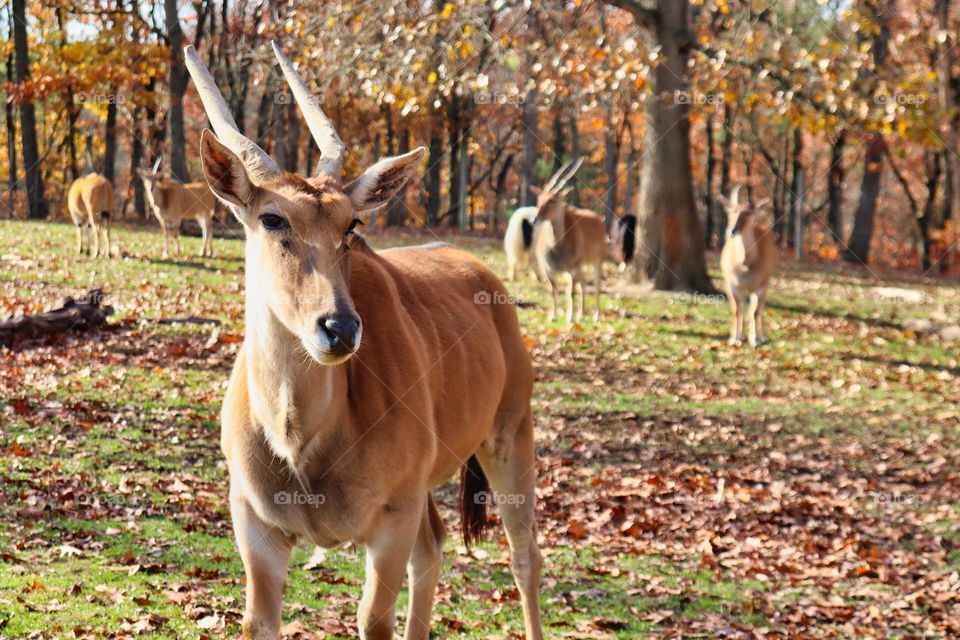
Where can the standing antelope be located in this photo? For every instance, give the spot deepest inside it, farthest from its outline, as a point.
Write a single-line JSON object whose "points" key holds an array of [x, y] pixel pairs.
{"points": [[331, 438], [89, 202], [576, 237], [172, 202], [518, 242], [748, 259]]}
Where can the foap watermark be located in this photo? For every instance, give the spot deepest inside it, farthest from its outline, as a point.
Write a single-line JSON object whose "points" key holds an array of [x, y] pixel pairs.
{"points": [[94, 499], [697, 98], [94, 298], [488, 97], [499, 499], [900, 297], [298, 498], [901, 99], [94, 97], [493, 297], [894, 498], [698, 298]]}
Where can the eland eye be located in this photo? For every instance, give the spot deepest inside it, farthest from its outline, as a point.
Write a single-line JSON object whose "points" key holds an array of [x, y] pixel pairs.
{"points": [[273, 222]]}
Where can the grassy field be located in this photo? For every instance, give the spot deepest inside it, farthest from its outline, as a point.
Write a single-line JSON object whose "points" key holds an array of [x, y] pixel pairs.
{"points": [[809, 488]]}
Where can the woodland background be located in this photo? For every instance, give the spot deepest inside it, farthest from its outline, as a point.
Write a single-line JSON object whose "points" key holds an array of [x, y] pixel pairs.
{"points": [[686, 487], [844, 112]]}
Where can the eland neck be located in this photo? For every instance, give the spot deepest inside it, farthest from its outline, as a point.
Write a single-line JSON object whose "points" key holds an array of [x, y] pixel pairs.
{"points": [[292, 397]]}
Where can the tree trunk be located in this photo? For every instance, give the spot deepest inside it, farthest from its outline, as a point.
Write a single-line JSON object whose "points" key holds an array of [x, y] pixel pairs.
{"points": [[69, 103], [946, 56], [781, 195], [669, 236], [136, 160], [11, 143], [309, 158], [110, 139], [708, 190], [858, 246], [726, 164], [267, 111], [156, 127], [397, 212], [455, 133], [463, 178], [611, 158], [286, 135], [574, 198], [433, 175], [453, 187], [796, 185], [934, 167], [28, 120], [499, 191], [630, 188], [530, 151], [72, 115], [835, 188], [177, 86], [559, 141], [746, 157]]}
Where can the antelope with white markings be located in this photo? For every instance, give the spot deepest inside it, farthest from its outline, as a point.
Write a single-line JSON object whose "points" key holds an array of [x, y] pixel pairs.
{"points": [[174, 202], [89, 201], [576, 237], [518, 242], [332, 437], [748, 259]]}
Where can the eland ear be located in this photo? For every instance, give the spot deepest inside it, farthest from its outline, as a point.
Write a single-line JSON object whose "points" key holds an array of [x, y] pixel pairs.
{"points": [[762, 203], [725, 202], [382, 180], [225, 173]]}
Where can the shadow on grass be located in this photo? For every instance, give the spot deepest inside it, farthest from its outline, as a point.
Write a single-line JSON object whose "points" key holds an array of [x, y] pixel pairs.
{"points": [[835, 315], [186, 262], [899, 362]]}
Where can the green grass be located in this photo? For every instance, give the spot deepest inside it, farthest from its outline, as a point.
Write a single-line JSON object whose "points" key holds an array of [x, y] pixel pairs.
{"points": [[113, 512]]}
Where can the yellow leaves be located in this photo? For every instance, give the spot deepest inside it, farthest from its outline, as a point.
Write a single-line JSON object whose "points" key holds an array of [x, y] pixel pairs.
{"points": [[447, 11], [464, 48], [432, 78]]}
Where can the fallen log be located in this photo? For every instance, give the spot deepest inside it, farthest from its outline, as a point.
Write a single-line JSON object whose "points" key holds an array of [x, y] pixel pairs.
{"points": [[81, 314]]}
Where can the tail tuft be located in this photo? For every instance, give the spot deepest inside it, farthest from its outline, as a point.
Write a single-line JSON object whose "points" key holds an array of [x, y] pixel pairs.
{"points": [[527, 228], [474, 497]]}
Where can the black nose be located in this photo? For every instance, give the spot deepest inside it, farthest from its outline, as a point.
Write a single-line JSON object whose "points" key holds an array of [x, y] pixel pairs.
{"points": [[343, 331]]}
